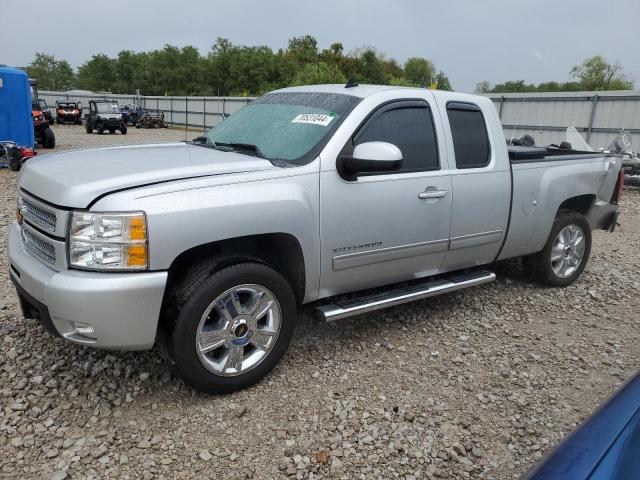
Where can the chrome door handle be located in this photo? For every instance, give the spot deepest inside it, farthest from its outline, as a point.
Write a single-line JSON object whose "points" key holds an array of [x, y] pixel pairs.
{"points": [[432, 194]]}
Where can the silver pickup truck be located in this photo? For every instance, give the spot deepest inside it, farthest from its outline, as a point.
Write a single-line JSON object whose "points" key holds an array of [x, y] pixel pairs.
{"points": [[305, 195]]}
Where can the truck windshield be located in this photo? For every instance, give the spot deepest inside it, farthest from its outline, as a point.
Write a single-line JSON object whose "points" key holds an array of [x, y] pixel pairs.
{"points": [[107, 108], [288, 126]]}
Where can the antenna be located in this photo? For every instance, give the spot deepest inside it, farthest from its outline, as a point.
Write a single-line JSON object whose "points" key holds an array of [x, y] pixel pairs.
{"points": [[351, 83]]}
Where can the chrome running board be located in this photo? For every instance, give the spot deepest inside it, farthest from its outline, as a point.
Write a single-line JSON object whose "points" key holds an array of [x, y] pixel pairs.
{"points": [[397, 296]]}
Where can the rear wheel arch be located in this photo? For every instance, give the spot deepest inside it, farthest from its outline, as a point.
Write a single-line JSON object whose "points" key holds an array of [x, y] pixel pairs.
{"points": [[580, 204]]}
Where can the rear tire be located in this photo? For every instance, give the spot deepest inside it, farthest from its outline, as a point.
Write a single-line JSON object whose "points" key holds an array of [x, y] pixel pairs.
{"points": [[15, 164], [100, 129], [48, 138], [566, 253], [217, 319], [87, 127]]}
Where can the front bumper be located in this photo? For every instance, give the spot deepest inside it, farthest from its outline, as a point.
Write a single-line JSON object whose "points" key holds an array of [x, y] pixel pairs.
{"points": [[110, 122], [122, 308]]}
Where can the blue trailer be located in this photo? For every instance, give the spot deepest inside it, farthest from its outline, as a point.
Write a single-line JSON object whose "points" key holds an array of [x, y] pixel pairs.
{"points": [[16, 120]]}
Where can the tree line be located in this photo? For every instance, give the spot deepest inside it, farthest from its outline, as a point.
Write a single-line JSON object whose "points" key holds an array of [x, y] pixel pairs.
{"points": [[595, 73], [230, 69], [238, 70]]}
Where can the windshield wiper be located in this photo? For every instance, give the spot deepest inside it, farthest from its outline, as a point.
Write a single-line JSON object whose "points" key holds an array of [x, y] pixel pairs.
{"points": [[247, 148], [202, 140]]}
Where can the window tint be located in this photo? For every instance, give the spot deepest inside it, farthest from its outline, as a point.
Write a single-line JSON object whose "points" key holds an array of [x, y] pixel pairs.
{"points": [[408, 128], [469, 132]]}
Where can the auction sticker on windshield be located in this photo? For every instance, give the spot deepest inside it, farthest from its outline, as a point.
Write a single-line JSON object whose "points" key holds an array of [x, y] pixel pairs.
{"points": [[314, 118]]}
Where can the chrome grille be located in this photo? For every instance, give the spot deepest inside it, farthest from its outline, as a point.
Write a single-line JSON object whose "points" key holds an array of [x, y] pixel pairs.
{"points": [[39, 247], [37, 215]]}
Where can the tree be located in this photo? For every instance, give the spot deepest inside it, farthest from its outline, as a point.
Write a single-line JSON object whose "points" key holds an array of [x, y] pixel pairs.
{"points": [[320, 73], [483, 87], [513, 87], [420, 71], [595, 73], [231, 69], [50, 73], [98, 74], [299, 52], [334, 55], [391, 69], [372, 68], [442, 82], [129, 68], [303, 49]]}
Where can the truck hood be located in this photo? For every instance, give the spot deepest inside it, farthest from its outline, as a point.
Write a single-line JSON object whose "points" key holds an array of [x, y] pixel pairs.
{"points": [[76, 178]]}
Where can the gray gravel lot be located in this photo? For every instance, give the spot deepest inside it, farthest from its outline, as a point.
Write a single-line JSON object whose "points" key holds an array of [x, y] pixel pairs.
{"points": [[477, 384]]}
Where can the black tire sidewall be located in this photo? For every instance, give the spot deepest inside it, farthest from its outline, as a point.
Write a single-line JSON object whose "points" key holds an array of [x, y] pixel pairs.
{"points": [[49, 140], [182, 340], [544, 260]]}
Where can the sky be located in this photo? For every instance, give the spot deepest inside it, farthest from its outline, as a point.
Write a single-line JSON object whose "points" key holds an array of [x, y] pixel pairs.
{"points": [[470, 40]]}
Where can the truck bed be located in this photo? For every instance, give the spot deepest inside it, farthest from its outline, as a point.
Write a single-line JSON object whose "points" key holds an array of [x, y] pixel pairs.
{"points": [[542, 178], [536, 154]]}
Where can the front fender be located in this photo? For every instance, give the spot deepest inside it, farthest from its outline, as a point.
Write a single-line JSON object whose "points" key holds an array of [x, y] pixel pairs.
{"points": [[189, 213]]}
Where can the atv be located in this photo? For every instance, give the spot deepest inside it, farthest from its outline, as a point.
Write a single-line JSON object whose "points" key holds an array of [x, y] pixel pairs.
{"points": [[104, 115], [68, 112], [14, 156], [131, 113], [42, 132], [45, 110]]}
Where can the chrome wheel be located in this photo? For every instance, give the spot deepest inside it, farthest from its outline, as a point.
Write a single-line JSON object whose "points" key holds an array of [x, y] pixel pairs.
{"points": [[568, 251], [238, 330]]}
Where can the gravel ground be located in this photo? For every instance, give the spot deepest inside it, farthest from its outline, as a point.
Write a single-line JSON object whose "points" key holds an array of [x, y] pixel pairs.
{"points": [[477, 384]]}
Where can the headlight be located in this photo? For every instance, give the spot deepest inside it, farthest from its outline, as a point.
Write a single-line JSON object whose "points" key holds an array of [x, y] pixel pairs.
{"points": [[108, 241]]}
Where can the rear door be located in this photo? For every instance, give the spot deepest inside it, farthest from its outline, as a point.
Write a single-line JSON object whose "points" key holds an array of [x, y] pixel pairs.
{"points": [[381, 228], [481, 181]]}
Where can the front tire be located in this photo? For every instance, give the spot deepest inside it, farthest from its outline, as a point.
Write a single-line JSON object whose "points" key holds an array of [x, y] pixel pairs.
{"points": [[566, 253], [231, 325], [123, 129]]}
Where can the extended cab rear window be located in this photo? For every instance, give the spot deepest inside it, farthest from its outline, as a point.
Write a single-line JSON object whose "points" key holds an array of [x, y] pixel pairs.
{"points": [[470, 139]]}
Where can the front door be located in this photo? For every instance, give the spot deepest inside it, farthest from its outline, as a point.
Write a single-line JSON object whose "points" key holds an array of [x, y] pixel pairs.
{"points": [[391, 226]]}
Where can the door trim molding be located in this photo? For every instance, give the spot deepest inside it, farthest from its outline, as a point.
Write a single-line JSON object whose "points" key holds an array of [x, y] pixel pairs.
{"points": [[359, 259], [475, 239]]}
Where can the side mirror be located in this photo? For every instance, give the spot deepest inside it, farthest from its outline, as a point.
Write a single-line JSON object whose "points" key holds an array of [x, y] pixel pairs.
{"points": [[372, 157]]}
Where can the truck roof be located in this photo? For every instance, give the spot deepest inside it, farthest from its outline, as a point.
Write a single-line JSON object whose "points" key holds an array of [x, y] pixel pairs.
{"points": [[359, 91], [363, 91]]}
